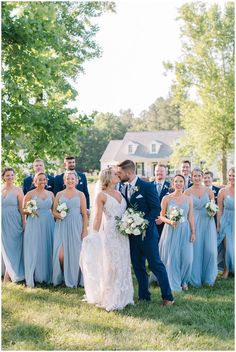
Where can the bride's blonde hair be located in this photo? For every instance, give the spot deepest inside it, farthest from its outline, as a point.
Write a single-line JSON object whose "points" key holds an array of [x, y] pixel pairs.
{"points": [[105, 177]]}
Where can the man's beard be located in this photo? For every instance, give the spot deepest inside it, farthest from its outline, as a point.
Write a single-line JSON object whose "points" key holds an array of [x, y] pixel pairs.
{"points": [[124, 179], [71, 167]]}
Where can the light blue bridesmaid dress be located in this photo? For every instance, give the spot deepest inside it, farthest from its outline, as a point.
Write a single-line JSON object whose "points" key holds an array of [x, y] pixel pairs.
{"points": [[67, 234], [12, 238], [227, 228], [38, 243], [176, 250], [204, 268]]}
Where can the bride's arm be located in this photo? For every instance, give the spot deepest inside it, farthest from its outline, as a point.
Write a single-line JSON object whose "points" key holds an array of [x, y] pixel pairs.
{"points": [[99, 205]]}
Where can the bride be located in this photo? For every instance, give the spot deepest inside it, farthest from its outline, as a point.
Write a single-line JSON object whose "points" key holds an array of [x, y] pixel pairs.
{"points": [[105, 254]]}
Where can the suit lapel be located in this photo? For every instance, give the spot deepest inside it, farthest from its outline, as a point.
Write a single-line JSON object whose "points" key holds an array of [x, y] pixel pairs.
{"points": [[137, 184]]}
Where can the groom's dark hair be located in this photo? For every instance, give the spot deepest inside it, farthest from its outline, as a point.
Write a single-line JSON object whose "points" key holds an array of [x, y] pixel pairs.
{"points": [[127, 165]]}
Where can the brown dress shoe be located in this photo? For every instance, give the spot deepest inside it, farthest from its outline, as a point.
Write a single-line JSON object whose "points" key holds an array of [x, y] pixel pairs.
{"points": [[167, 303]]}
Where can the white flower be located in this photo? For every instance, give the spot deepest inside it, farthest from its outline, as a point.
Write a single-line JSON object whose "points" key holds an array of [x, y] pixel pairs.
{"points": [[128, 231], [175, 214], [132, 223], [62, 209], [31, 207], [63, 214], [136, 232], [211, 208]]}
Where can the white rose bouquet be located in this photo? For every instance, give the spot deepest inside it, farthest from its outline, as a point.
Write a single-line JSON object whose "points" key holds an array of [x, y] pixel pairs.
{"points": [[211, 208], [132, 223], [62, 209], [31, 207], [175, 214]]}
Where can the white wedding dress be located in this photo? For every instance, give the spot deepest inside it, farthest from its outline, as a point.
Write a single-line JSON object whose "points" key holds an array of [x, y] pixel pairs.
{"points": [[105, 262]]}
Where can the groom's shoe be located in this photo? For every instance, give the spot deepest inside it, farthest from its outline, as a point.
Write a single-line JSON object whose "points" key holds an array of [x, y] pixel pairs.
{"points": [[167, 303]]}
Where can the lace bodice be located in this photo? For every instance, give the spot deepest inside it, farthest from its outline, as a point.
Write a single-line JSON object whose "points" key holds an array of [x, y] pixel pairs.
{"points": [[113, 208]]}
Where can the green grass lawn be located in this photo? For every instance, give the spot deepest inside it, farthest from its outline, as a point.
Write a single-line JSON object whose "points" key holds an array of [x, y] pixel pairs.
{"points": [[47, 318]]}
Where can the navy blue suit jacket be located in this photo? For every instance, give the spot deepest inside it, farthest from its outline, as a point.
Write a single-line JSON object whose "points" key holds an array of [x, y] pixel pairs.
{"points": [[189, 182], [146, 199], [28, 184], [82, 185], [166, 189], [215, 190]]}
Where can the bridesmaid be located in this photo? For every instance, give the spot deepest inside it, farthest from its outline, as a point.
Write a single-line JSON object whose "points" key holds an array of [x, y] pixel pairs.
{"points": [[69, 233], [204, 268], [225, 223], [176, 243], [38, 237], [12, 228]]}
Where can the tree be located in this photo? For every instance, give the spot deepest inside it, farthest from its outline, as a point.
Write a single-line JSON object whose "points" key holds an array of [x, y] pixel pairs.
{"points": [[204, 81], [96, 138], [163, 114], [44, 44]]}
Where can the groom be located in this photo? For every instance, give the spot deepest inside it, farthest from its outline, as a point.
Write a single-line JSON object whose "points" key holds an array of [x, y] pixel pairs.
{"points": [[143, 196]]}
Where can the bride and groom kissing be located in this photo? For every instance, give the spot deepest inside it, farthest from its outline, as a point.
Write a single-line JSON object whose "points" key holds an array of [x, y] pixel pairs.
{"points": [[106, 253]]}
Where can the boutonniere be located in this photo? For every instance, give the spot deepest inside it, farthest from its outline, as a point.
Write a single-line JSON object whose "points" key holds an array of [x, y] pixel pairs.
{"points": [[214, 191], [166, 187], [136, 188]]}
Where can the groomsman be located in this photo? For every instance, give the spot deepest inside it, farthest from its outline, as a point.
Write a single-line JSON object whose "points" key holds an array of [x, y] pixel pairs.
{"points": [[38, 166], [69, 163], [163, 188], [208, 179], [186, 172]]}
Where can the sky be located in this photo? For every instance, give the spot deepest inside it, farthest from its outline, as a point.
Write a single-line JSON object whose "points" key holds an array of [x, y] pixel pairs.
{"points": [[135, 40]]}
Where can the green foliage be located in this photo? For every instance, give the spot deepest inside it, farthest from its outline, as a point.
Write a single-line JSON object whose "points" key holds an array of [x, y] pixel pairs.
{"points": [[204, 85], [163, 114], [44, 44], [48, 318], [95, 139]]}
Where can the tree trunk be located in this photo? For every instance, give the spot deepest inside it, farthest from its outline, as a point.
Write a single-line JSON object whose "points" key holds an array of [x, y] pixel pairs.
{"points": [[224, 166]]}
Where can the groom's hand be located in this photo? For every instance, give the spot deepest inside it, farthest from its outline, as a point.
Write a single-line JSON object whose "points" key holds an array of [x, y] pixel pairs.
{"points": [[158, 221]]}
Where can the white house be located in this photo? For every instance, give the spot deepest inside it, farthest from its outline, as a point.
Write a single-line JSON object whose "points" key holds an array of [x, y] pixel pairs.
{"points": [[145, 149]]}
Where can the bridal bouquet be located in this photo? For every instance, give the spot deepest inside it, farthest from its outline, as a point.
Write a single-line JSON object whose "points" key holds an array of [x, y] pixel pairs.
{"points": [[211, 208], [31, 207], [175, 214], [132, 223], [62, 209]]}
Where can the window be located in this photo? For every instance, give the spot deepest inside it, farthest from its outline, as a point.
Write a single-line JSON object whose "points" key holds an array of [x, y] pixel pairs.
{"points": [[130, 149], [154, 148]]}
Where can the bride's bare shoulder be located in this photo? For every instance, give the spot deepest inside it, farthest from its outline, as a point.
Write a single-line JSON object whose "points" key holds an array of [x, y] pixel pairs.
{"points": [[101, 197]]}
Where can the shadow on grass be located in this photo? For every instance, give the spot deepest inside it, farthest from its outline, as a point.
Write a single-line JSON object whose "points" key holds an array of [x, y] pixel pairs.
{"points": [[33, 335], [206, 311]]}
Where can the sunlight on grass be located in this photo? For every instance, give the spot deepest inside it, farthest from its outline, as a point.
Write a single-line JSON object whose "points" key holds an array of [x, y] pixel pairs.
{"points": [[47, 318]]}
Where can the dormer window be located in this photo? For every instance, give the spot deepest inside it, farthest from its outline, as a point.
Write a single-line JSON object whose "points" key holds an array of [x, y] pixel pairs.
{"points": [[131, 147], [154, 148]]}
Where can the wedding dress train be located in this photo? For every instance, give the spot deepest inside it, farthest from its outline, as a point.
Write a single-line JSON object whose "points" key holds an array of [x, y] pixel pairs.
{"points": [[105, 262]]}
